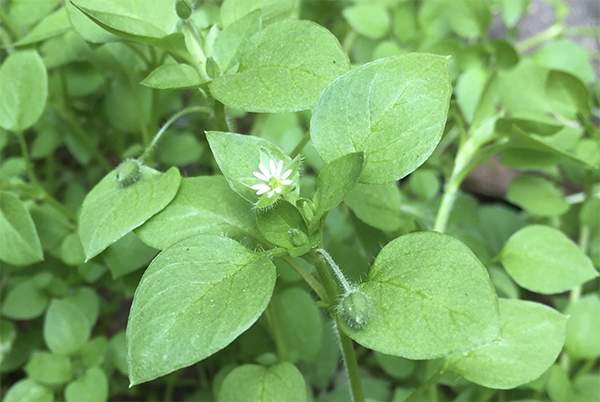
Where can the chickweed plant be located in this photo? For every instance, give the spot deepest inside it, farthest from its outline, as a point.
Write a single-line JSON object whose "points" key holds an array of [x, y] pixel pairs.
{"points": [[265, 200]]}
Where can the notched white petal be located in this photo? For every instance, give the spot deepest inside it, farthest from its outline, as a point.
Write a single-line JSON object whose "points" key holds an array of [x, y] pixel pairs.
{"points": [[286, 174], [260, 176], [264, 170]]}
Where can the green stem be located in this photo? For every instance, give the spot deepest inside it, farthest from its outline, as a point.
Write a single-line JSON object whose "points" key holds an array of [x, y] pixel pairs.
{"points": [[150, 148], [550, 33], [114, 304], [351, 366], [301, 144], [336, 270], [348, 353], [171, 380], [36, 183], [8, 24], [349, 41], [312, 282], [430, 382], [276, 331]]}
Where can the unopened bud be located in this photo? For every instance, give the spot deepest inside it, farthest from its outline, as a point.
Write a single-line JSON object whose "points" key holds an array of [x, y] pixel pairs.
{"points": [[184, 9], [128, 172], [356, 309]]}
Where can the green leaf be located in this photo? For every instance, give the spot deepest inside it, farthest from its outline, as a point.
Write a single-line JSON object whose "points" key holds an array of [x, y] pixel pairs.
{"points": [[376, 205], [469, 89], [27, 390], [239, 156], [230, 42], [369, 19], [128, 254], [110, 211], [23, 90], [89, 30], [583, 328], [71, 250], [300, 323], [66, 327], [19, 243], [283, 68], [544, 260], [150, 22], [8, 334], [190, 286], [250, 382], [26, 12], [173, 76], [394, 366], [24, 301], [537, 196], [565, 55], [511, 11], [336, 180], [234, 10], [49, 368], [92, 386], [467, 18], [204, 204], [393, 109], [88, 301], [567, 94], [180, 149], [53, 25], [93, 353], [429, 297], [118, 352], [425, 183], [532, 336]]}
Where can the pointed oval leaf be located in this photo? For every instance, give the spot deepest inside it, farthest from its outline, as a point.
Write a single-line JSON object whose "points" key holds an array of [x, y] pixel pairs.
{"points": [[283, 68], [53, 25], [19, 242], [172, 76], [300, 322], [28, 390], [23, 90], [336, 180], [429, 297], [49, 368], [393, 109], [110, 211], [537, 196], [202, 205], [377, 205], [231, 40], [194, 299], [250, 382], [544, 260], [66, 328], [24, 301], [92, 386], [583, 328], [532, 336]]}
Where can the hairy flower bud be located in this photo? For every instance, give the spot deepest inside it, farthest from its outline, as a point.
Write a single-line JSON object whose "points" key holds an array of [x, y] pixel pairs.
{"points": [[355, 307], [128, 172]]}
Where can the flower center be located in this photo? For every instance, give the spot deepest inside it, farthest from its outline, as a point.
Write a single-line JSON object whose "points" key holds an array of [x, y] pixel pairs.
{"points": [[274, 182]]}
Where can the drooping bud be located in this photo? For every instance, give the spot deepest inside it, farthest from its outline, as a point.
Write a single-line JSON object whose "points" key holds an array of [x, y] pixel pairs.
{"points": [[184, 9], [128, 172], [355, 307]]}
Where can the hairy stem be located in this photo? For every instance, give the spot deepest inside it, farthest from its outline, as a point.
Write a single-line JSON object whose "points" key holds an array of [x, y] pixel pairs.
{"points": [[276, 331], [174, 118]]}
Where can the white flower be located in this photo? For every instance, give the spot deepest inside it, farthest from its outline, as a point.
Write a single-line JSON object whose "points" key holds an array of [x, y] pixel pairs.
{"points": [[272, 177]]}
